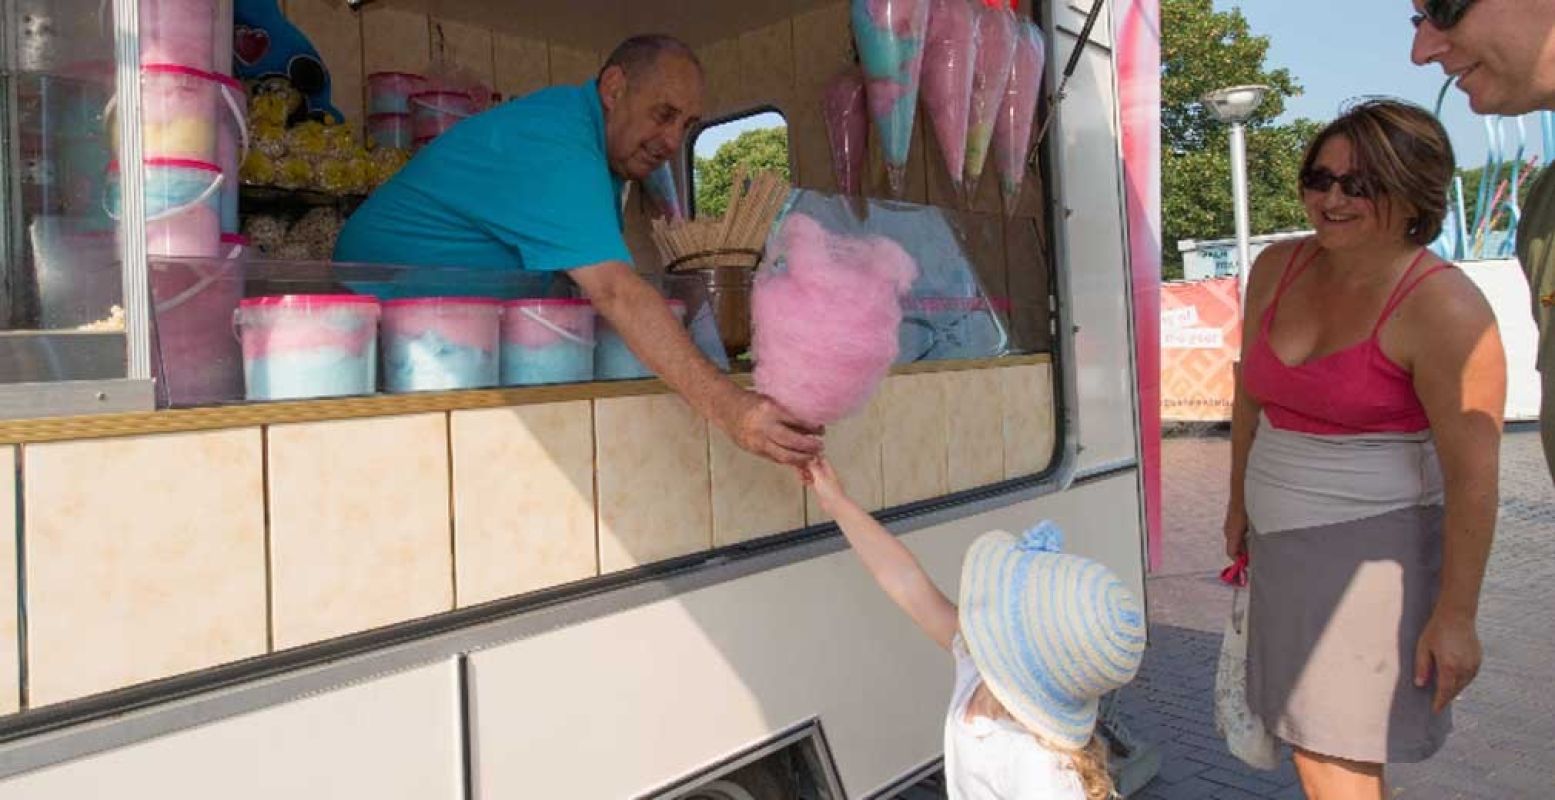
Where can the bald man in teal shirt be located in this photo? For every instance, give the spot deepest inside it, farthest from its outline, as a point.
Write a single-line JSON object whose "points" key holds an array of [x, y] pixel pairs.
{"points": [[533, 188]]}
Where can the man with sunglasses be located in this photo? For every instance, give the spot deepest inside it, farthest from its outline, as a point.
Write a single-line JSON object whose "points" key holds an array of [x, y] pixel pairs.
{"points": [[1502, 55]]}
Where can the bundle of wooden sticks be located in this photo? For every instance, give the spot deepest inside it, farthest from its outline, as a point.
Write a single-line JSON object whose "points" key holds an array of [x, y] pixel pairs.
{"points": [[734, 239]]}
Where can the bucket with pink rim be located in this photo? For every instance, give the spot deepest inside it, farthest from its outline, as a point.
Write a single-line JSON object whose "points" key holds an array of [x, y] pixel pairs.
{"points": [[301, 346], [434, 112], [390, 92], [231, 148], [440, 343], [183, 208], [614, 360], [547, 340], [390, 130]]}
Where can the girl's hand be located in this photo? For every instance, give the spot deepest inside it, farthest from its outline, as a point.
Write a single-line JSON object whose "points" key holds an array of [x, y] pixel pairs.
{"points": [[822, 479], [1236, 532]]}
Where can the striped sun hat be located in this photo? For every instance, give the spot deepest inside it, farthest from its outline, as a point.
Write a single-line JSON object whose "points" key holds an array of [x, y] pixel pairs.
{"points": [[1050, 633]]}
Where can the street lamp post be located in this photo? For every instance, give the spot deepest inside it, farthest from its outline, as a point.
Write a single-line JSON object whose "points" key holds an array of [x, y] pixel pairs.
{"points": [[1234, 105]]}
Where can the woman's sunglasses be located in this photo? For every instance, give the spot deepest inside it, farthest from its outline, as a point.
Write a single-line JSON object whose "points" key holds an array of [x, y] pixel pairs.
{"points": [[1442, 14], [1320, 180]]}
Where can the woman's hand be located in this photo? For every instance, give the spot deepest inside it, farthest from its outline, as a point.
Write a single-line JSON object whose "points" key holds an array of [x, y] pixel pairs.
{"points": [[1236, 531], [1451, 645]]}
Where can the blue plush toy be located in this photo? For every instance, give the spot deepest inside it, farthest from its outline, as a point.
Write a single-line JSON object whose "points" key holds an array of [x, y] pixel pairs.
{"points": [[265, 45]]}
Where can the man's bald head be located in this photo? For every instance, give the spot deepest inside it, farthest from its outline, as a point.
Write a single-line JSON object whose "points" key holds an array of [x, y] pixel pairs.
{"points": [[639, 55], [651, 89]]}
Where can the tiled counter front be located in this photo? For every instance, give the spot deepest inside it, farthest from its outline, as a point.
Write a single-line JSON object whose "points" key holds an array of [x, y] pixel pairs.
{"points": [[150, 556]]}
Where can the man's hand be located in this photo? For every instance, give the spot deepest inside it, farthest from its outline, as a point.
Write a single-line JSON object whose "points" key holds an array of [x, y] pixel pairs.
{"points": [[1451, 645], [765, 428]]}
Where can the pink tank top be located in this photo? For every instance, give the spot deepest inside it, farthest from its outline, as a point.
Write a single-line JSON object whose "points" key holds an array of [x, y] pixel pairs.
{"points": [[1354, 390]]}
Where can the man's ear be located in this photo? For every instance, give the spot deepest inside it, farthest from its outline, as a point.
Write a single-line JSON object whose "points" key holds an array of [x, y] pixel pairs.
{"points": [[612, 86]]}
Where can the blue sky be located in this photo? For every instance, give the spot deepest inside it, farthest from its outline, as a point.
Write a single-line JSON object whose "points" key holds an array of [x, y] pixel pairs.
{"points": [[1364, 50]]}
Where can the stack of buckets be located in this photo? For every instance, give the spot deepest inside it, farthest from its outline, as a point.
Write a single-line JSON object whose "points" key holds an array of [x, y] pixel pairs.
{"points": [[406, 111], [194, 135]]}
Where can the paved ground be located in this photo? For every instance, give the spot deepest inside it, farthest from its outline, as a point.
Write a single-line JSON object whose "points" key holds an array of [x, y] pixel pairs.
{"points": [[1503, 747]]}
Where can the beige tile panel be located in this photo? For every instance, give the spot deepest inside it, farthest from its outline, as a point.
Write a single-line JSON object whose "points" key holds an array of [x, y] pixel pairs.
{"points": [[721, 66], [767, 62], [752, 497], [915, 438], [522, 65], [523, 499], [10, 659], [395, 40], [336, 31], [1029, 430], [464, 46], [360, 534], [854, 448], [974, 403], [823, 43], [652, 467], [572, 66], [145, 559]]}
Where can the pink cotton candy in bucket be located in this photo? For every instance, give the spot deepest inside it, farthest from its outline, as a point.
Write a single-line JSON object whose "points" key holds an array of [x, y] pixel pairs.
{"points": [[826, 319]]}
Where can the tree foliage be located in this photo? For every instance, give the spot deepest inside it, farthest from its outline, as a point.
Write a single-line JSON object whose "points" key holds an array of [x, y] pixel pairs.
{"points": [[763, 148], [1202, 50]]}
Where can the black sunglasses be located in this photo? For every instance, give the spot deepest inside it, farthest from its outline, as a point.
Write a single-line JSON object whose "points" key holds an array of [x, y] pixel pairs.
{"points": [[1320, 180], [1442, 14]]}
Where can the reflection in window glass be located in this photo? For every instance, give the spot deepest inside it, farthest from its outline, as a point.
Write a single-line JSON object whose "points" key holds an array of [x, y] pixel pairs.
{"points": [[756, 141]]}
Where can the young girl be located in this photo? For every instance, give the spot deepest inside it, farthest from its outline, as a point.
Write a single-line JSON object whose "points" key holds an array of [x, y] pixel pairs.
{"points": [[1040, 636]]}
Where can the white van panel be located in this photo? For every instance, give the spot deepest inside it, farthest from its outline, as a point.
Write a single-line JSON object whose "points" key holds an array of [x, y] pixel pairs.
{"points": [[395, 737], [638, 699], [1093, 250]]}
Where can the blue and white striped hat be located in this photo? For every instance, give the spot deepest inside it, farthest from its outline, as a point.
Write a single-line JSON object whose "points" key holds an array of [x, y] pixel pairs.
{"points": [[1050, 633]]}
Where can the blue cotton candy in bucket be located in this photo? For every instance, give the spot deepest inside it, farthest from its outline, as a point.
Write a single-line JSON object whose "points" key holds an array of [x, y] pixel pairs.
{"points": [[614, 360]]}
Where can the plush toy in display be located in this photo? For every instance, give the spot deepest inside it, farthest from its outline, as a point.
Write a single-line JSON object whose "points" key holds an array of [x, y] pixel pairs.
{"points": [[826, 312], [265, 45]]}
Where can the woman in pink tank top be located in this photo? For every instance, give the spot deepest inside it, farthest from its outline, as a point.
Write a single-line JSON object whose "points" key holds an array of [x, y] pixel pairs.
{"points": [[1365, 445]]}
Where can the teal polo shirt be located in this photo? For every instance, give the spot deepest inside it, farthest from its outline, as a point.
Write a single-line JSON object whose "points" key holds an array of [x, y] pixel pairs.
{"points": [[508, 198]]}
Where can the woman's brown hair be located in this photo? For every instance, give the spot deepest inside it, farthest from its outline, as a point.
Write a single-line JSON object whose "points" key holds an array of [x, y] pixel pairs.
{"points": [[1403, 153]]}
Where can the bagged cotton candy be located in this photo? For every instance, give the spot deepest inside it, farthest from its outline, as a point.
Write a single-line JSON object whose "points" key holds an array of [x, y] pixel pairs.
{"points": [[997, 29], [889, 36], [1012, 133], [826, 317], [660, 186], [948, 58], [847, 129]]}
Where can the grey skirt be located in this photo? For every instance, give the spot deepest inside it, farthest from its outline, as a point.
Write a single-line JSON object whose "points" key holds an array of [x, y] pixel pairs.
{"points": [[1346, 552]]}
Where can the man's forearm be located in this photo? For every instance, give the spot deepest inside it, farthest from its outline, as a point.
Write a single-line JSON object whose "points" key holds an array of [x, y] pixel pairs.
{"points": [[644, 320]]}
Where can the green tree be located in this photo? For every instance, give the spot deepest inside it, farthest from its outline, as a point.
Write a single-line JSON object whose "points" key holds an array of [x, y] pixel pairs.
{"points": [[763, 148], [1202, 50]]}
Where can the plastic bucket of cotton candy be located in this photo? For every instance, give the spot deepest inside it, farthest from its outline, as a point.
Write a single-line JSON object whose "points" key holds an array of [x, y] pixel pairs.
{"points": [[825, 311]]}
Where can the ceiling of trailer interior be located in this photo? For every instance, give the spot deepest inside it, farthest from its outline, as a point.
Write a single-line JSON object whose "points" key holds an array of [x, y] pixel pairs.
{"points": [[601, 24]]}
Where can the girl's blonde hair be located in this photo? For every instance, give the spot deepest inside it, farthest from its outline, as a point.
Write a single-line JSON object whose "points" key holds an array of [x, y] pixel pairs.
{"points": [[1091, 764]]}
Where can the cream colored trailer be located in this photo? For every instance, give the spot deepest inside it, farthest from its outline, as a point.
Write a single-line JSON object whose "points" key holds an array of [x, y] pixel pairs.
{"points": [[576, 591]]}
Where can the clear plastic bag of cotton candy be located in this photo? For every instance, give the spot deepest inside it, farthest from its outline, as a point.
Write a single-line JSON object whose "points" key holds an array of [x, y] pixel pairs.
{"points": [[825, 312]]}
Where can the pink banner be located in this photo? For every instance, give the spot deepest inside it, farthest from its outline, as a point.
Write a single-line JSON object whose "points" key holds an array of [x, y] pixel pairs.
{"points": [[1138, 42]]}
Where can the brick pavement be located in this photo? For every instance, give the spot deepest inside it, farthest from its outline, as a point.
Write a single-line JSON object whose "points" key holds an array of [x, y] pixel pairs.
{"points": [[1503, 747]]}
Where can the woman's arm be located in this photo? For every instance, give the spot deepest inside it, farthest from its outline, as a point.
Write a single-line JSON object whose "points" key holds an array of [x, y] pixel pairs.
{"points": [[1244, 408], [1460, 376], [893, 566]]}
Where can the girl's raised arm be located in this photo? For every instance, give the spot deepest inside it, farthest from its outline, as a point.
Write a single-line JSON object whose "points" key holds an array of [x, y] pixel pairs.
{"points": [[890, 562]]}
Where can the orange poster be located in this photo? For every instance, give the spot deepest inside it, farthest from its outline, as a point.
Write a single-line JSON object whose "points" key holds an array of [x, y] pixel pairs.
{"points": [[1201, 335]]}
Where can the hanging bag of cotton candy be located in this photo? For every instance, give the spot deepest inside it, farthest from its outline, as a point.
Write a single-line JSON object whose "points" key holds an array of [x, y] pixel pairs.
{"points": [[825, 311]]}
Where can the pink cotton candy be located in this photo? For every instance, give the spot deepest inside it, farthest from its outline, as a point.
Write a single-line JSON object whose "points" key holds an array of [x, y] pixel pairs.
{"points": [[826, 323], [997, 28], [1012, 133], [948, 56], [847, 128]]}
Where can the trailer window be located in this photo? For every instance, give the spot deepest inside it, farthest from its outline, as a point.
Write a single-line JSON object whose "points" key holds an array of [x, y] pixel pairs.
{"points": [[755, 140]]}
